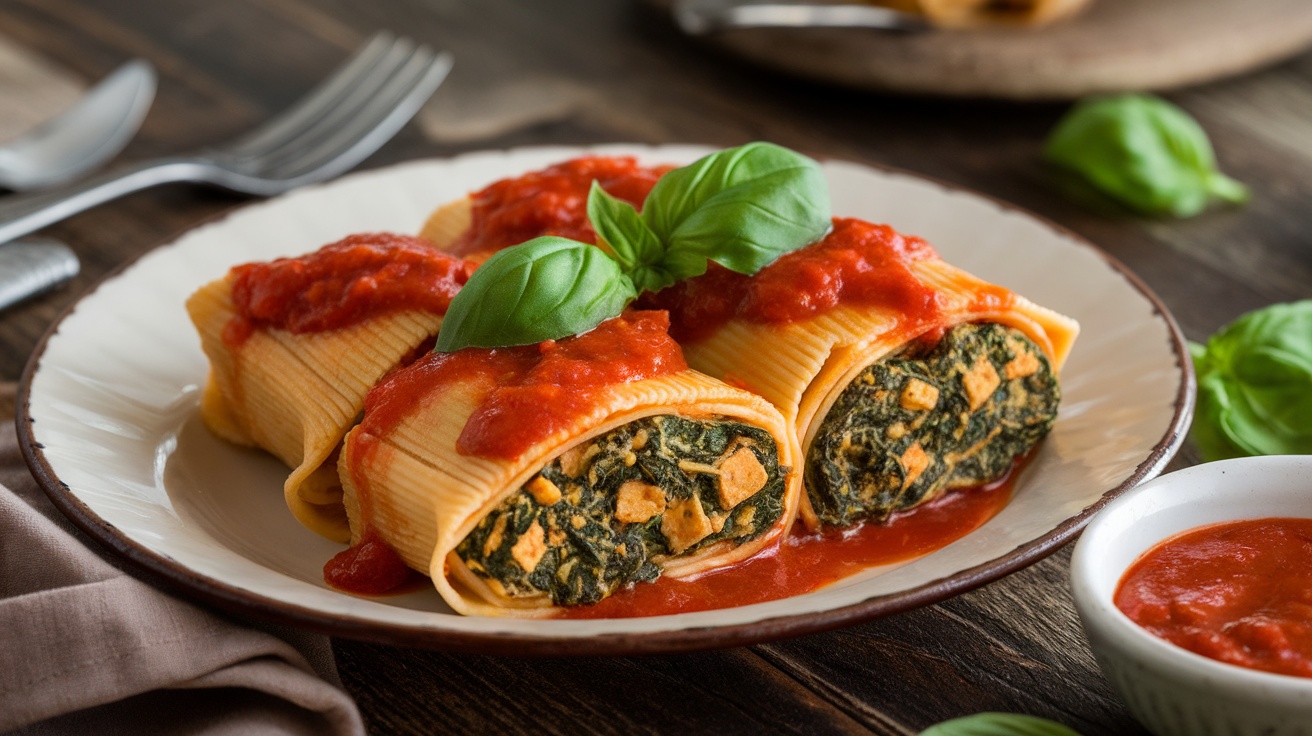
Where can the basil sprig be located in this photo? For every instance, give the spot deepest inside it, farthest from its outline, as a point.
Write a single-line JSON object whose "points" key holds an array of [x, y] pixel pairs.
{"points": [[640, 253], [742, 208], [1255, 385], [999, 724]]}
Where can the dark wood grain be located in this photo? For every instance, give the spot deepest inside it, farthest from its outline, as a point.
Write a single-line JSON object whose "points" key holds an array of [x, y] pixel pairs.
{"points": [[574, 71]]}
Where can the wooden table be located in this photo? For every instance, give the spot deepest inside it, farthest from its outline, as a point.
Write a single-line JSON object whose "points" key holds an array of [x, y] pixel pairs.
{"points": [[579, 72]]}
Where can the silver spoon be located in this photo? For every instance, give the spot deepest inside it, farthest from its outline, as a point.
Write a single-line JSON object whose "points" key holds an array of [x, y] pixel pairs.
{"points": [[83, 137], [700, 17]]}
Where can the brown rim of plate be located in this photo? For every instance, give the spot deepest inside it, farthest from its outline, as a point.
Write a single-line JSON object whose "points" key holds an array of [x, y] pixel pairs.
{"points": [[174, 577]]}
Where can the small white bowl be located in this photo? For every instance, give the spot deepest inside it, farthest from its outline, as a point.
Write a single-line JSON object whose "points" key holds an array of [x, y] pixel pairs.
{"points": [[1169, 689]]}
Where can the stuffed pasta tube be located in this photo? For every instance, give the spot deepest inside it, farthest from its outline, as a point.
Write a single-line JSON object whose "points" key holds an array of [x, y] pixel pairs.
{"points": [[529, 478], [901, 375], [295, 344]]}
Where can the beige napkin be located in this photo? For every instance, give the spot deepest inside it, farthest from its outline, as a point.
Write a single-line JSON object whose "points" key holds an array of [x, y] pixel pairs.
{"points": [[86, 648]]}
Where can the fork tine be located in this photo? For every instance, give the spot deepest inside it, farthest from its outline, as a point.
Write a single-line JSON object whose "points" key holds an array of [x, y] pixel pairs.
{"points": [[251, 164], [347, 105], [375, 124], [310, 108]]}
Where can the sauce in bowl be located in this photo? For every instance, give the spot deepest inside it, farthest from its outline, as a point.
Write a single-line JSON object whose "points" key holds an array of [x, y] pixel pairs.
{"points": [[1239, 592]]}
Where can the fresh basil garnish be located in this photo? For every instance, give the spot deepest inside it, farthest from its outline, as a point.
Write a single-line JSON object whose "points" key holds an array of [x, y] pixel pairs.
{"points": [[639, 252], [1144, 152], [999, 724], [742, 207], [1255, 385], [544, 289]]}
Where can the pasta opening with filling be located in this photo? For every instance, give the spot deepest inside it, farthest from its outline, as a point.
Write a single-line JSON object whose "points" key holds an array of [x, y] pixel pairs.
{"points": [[902, 375], [516, 504], [852, 379]]}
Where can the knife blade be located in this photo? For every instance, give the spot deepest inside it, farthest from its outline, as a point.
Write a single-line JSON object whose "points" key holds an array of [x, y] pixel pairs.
{"points": [[33, 266]]}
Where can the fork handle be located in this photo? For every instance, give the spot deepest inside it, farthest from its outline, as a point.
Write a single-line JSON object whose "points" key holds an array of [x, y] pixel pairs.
{"points": [[21, 214]]}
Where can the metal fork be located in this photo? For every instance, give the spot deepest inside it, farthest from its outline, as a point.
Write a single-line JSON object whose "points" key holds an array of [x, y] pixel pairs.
{"points": [[702, 17], [343, 120]]}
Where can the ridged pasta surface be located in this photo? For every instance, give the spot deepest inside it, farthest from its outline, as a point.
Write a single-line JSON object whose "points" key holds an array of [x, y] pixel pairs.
{"points": [[296, 395], [421, 496]]}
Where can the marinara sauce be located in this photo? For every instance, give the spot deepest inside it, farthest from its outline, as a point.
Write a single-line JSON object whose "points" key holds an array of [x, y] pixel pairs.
{"points": [[370, 567], [344, 283], [553, 201], [528, 392], [857, 263], [1239, 592]]}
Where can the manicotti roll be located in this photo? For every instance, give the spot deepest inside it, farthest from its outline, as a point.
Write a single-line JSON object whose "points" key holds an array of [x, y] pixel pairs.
{"points": [[943, 378], [295, 345], [870, 310], [525, 479]]}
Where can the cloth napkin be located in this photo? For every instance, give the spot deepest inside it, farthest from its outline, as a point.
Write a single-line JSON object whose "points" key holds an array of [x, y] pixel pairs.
{"points": [[86, 648]]}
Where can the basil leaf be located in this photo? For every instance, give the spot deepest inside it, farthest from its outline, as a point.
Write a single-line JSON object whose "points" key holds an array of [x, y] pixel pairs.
{"points": [[638, 250], [742, 208], [1144, 152], [545, 289], [1255, 385], [999, 724]]}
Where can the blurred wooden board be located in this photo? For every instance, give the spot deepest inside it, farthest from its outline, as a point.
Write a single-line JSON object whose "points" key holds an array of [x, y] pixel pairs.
{"points": [[36, 89], [1115, 45]]}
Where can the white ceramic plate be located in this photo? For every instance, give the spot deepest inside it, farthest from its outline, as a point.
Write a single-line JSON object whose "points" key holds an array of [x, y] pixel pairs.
{"points": [[111, 423]]}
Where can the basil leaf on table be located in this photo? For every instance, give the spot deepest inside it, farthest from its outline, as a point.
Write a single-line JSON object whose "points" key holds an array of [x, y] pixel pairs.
{"points": [[638, 250], [1255, 385], [999, 724], [1144, 152], [544, 289], [742, 208]]}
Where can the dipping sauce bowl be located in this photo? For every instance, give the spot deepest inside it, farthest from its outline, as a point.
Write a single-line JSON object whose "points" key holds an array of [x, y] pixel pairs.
{"points": [[1167, 688]]}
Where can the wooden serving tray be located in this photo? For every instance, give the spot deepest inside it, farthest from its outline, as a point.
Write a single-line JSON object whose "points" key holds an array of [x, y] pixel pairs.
{"points": [[1114, 46]]}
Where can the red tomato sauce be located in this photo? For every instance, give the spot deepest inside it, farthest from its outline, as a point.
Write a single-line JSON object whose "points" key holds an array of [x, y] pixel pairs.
{"points": [[532, 391], [342, 284], [1238, 592], [553, 201], [804, 561], [857, 263], [370, 567]]}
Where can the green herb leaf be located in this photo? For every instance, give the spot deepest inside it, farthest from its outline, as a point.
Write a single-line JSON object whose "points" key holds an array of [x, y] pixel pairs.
{"points": [[638, 250], [545, 289], [999, 724], [1255, 385], [742, 208], [1144, 152]]}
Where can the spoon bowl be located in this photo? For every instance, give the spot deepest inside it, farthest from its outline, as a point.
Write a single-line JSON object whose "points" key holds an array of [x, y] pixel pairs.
{"points": [[83, 137]]}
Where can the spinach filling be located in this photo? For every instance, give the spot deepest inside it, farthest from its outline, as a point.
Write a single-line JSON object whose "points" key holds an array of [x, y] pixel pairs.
{"points": [[606, 513], [907, 428]]}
